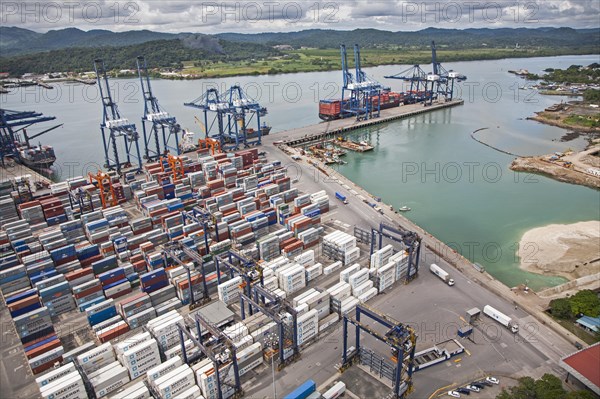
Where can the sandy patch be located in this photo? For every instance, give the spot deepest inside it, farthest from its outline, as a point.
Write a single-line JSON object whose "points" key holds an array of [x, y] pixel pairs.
{"points": [[568, 250]]}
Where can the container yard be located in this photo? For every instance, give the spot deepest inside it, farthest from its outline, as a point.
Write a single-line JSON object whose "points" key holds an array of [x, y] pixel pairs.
{"points": [[171, 284], [222, 273]]}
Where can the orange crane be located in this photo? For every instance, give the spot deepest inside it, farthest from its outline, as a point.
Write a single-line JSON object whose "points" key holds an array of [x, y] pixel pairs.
{"points": [[176, 165], [103, 181], [207, 142]]}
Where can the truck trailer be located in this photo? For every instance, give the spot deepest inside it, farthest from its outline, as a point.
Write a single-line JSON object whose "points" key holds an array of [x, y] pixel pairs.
{"points": [[501, 318], [442, 274], [341, 197]]}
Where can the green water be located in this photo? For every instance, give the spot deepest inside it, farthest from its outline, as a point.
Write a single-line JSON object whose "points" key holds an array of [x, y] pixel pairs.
{"points": [[462, 191]]}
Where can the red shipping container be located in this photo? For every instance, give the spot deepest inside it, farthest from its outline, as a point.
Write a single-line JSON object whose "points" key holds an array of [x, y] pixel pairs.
{"points": [[113, 333], [88, 291], [46, 366], [40, 350]]}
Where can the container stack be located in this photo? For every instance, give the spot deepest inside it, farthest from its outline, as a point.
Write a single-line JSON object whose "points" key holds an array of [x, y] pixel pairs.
{"points": [[175, 383], [292, 278], [154, 280], [108, 379], [229, 291], [386, 276], [8, 211], [140, 357], [341, 246], [64, 382], [56, 297], [308, 326], [381, 257], [88, 293], [268, 247], [164, 329], [339, 293]]}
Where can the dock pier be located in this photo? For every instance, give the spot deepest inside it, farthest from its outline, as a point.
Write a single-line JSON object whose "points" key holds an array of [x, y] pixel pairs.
{"points": [[332, 129]]}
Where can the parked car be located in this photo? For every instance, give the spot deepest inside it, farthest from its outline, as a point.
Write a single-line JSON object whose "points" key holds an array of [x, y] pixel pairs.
{"points": [[454, 394], [473, 388], [478, 385], [483, 382], [493, 380], [463, 390]]}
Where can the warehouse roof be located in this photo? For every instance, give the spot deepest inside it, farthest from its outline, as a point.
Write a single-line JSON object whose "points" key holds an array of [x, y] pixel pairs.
{"points": [[592, 323], [583, 365]]}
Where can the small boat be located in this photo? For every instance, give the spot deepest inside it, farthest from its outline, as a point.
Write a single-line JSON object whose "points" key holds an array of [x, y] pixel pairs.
{"points": [[404, 209]]}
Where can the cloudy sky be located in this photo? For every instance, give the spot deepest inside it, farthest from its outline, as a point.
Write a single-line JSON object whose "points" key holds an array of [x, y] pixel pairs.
{"points": [[284, 15]]}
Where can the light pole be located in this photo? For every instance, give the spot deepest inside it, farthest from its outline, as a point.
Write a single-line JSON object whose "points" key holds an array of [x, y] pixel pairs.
{"points": [[271, 341]]}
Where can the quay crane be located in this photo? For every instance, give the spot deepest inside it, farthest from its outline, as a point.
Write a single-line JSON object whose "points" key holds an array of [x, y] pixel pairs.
{"points": [[418, 84], [114, 126], [226, 118], [12, 123], [361, 88], [442, 78], [161, 123], [245, 110]]}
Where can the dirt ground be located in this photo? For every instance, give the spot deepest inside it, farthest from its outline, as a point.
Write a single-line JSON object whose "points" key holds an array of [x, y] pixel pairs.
{"points": [[571, 250]]}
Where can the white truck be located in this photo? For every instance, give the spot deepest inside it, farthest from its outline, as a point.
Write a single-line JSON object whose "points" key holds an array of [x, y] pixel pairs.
{"points": [[501, 318], [442, 274]]}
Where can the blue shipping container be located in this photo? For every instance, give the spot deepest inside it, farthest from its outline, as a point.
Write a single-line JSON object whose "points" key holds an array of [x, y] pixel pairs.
{"points": [[102, 315], [303, 391]]}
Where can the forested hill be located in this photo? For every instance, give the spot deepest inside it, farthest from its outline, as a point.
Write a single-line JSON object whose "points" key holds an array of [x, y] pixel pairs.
{"points": [[454, 38], [15, 40], [159, 53]]}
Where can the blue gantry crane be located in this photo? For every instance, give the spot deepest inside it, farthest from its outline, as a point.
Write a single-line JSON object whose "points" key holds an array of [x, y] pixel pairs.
{"points": [[360, 88], [442, 78], [246, 112], [156, 122], [13, 134], [113, 127], [400, 337], [417, 78], [227, 117], [409, 239]]}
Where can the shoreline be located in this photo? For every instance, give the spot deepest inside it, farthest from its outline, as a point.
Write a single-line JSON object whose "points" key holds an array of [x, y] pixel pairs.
{"points": [[539, 117], [369, 65], [539, 165], [567, 250]]}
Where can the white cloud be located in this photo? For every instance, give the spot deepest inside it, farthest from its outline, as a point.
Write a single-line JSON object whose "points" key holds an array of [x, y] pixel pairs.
{"points": [[286, 15]]}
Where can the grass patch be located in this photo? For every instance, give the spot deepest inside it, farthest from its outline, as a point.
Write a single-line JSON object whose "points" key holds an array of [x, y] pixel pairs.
{"points": [[583, 121], [315, 60], [578, 331]]}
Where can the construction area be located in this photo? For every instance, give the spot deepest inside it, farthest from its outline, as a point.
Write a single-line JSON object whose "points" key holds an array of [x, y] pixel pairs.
{"points": [[228, 272]]}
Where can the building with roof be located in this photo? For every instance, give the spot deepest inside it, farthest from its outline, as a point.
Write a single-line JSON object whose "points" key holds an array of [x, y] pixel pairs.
{"points": [[591, 324], [584, 365]]}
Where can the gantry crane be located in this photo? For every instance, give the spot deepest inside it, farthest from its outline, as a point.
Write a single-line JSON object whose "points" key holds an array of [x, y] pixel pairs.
{"points": [[207, 143], [114, 126], [106, 190], [222, 353], [418, 84], [176, 166], [246, 111], [409, 239], [444, 83], [10, 139], [217, 118], [282, 313], [400, 337], [161, 123], [227, 117]]}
